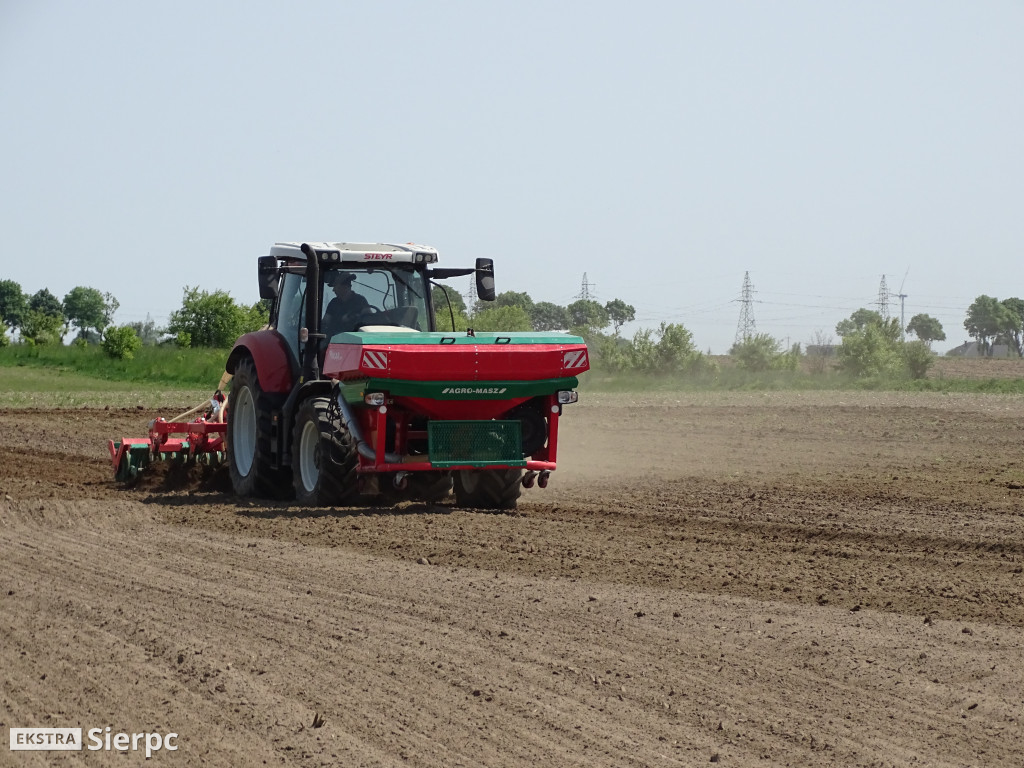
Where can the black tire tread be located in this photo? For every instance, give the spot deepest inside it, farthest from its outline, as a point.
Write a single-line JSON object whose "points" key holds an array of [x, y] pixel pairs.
{"points": [[492, 489], [338, 481], [264, 479], [431, 487]]}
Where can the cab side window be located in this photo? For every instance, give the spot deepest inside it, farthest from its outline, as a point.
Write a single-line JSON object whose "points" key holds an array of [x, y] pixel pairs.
{"points": [[289, 310]]}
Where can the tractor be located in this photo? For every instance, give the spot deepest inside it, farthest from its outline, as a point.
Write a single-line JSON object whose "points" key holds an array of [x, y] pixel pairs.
{"points": [[351, 389]]}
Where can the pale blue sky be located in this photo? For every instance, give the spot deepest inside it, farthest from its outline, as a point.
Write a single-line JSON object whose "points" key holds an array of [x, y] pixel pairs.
{"points": [[662, 148]]}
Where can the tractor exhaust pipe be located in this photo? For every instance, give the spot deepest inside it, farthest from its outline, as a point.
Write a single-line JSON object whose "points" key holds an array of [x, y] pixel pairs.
{"points": [[311, 351]]}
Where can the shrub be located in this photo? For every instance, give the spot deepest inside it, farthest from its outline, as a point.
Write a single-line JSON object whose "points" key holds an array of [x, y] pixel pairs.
{"points": [[668, 350], [121, 342], [918, 358], [760, 352], [871, 352]]}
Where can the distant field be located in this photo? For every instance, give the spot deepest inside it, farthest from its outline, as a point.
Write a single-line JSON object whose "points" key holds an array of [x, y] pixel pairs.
{"points": [[977, 368], [969, 369], [160, 366], [29, 387]]}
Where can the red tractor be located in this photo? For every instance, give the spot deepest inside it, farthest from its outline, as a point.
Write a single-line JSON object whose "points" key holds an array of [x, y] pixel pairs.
{"points": [[351, 389]]}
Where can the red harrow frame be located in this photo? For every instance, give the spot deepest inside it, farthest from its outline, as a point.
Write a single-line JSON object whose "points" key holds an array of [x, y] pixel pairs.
{"points": [[198, 440]]}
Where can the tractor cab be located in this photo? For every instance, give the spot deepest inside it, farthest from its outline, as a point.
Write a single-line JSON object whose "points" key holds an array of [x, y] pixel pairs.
{"points": [[371, 287]]}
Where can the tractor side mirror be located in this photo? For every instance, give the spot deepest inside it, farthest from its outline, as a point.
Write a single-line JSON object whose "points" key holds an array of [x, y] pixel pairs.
{"points": [[268, 277], [485, 279]]}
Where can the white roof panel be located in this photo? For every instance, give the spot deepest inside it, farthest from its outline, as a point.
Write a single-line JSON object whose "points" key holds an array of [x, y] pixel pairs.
{"points": [[357, 252]]}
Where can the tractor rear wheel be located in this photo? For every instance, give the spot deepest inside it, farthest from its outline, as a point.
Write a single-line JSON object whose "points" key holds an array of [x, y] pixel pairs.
{"points": [[488, 489], [324, 457], [249, 435]]}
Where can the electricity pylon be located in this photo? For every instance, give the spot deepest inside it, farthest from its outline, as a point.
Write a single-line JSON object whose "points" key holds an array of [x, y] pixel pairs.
{"points": [[883, 299], [745, 328], [584, 293]]}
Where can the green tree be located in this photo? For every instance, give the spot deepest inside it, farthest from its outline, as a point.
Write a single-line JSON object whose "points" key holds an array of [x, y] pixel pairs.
{"points": [[121, 343], [13, 303], [442, 315], [676, 351], [45, 302], [444, 321], [147, 331], [620, 313], [514, 299], [41, 328], [587, 313], [926, 328], [4, 341], [501, 319], [790, 361], [256, 316], [611, 353], [1015, 328], [437, 295], [987, 317], [858, 321], [546, 316], [88, 309], [642, 354], [213, 319], [669, 349], [42, 302]]}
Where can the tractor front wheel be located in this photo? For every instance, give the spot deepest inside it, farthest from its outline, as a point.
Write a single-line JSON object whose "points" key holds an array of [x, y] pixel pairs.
{"points": [[324, 457], [488, 489], [249, 454]]}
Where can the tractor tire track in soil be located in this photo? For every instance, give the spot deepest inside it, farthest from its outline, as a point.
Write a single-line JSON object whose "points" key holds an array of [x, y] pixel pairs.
{"points": [[783, 579]]}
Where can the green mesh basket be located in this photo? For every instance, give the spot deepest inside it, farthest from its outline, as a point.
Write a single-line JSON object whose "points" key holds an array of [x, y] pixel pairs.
{"points": [[476, 443]]}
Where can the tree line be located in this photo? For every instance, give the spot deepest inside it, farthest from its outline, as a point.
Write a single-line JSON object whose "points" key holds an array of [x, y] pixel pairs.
{"points": [[870, 345], [205, 319], [42, 318]]}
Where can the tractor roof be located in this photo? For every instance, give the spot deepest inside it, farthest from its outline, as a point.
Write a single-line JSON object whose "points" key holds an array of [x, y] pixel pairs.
{"points": [[361, 252]]}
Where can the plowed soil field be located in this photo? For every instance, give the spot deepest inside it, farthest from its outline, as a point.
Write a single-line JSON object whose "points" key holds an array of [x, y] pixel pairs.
{"points": [[825, 579]]}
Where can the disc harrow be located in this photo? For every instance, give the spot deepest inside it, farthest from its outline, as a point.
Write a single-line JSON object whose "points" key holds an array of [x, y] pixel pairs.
{"points": [[200, 440]]}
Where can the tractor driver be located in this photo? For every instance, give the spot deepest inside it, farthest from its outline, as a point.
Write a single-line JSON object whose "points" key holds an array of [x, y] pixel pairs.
{"points": [[346, 310]]}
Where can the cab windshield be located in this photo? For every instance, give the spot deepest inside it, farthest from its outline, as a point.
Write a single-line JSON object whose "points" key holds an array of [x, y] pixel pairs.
{"points": [[359, 297]]}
